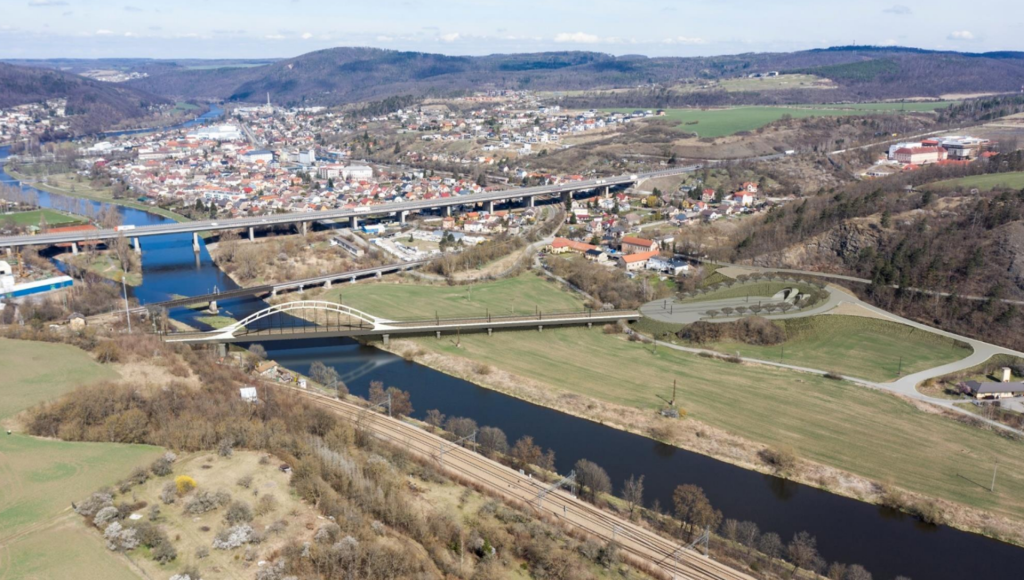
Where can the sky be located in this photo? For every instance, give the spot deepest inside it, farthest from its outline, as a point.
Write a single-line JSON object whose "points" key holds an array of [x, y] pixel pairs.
{"points": [[285, 28]]}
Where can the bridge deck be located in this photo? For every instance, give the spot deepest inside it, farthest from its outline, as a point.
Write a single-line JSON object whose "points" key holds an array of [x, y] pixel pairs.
{"points": [[405, 327]]}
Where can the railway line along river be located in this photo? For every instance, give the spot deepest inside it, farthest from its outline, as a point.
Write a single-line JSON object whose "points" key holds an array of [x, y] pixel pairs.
{"points": [[886, 542]]}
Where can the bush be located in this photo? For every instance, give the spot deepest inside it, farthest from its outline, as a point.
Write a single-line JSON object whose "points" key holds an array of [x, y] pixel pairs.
{"points": [[206, 501], [833, 375], [781, 460], [245, 481], [161, 467], [232, 538], [184, 484], [169, 493], [238, 512], [758, 331], [702, 332], [266, 504]]}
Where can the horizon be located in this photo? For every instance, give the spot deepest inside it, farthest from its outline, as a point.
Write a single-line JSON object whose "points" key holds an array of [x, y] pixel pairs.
{"points": [[865, 47], [48, 29]]}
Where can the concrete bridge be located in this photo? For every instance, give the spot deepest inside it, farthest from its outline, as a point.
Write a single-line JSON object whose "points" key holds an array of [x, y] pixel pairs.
{"points": [[330, 319], [399, 210], [273, 289]]}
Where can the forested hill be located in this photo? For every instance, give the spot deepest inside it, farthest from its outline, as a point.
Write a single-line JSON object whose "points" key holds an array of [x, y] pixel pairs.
{"points": [[345, 75], [91, 105]]}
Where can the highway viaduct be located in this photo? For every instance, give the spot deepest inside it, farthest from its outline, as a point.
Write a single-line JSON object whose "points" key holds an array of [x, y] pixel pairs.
{"points": [[399, 210]]}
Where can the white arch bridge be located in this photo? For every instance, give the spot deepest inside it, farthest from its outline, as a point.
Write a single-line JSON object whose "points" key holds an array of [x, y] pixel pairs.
{"points": [[319, 319]]}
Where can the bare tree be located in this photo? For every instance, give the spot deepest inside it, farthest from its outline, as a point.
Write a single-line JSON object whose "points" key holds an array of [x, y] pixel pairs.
{"points": [[435, 418], [693, 509], [728, 310], [712, 313], [803, 550], [633, 493], [771, 546], [592, 478], [525, 452], [492, 441]]}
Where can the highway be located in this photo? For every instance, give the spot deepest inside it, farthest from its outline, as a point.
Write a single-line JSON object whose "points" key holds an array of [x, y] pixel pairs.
{"points": [[641, 544], [359, 213]]}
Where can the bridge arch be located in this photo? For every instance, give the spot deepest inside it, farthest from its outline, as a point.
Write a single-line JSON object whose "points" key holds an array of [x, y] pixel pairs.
{"points": [[300, 305]]}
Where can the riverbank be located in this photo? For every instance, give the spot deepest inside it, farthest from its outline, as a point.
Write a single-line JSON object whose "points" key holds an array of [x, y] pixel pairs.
{"points": [[100, 198], [700, 437]]}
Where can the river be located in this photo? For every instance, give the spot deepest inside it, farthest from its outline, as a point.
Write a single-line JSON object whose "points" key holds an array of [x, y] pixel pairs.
{"points": [[884, 541]]}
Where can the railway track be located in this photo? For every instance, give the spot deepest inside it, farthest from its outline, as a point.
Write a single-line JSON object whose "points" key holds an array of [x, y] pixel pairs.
{"points": [[659, 552]]}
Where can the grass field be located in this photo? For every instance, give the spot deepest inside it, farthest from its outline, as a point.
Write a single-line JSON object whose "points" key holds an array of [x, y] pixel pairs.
{"points": [[1013, 180], [522, 295], [836, 423], [762, 289], [39, 478], [856, 346], [31, 218], [104, 264], [216, 321], [723, 122]]}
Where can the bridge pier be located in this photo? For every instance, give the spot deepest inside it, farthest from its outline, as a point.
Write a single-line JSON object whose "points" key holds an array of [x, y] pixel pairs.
{"points": [[8, 251], [353, 280], [138, 246], [74, 248], [607, 190], [273, 293], [447, 211], [213, 306], [566, 196], [301, 288], [222, 350], [401, 217], [490, 331], [532, 200], [590, 325], [353, 222], [327, 285], [439, 335], [378, 275], [490, 207], [195, 242], [252, 234], [387, 338], [540, 328], [305, 228]]}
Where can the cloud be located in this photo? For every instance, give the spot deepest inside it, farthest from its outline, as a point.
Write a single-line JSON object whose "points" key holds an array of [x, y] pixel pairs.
{"points": [[961, 35], [383, 38], [104, 32], [899, 10], [274, 37], [133, 9], [449, 37], [47, 3], [684, 40], [577, 38], [307, 36]]}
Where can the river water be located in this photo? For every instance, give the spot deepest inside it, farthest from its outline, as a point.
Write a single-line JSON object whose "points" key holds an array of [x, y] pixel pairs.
{"points": [[886, 542]]}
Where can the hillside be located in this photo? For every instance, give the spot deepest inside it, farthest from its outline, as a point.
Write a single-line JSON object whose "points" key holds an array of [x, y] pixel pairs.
{"points": [[92, 105], [877, 231], [346, 75]]}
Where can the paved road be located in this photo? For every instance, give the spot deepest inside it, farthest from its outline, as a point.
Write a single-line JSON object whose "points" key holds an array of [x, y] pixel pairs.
{"points": [[673, 311]]}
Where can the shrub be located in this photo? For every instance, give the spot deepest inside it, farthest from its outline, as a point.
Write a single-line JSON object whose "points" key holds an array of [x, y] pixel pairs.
{"points": [[169, 493], [205, 501], [105, 516], [238, 512], [161, 467], [758, 331], [184, 484], [245, 481], [781, 460], [232, 538], [833, 375], [266, 504], [94, 504], [701, 332]]}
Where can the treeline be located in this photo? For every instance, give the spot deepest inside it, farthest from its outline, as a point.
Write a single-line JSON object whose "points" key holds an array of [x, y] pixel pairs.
{"points": [[607, 285]]}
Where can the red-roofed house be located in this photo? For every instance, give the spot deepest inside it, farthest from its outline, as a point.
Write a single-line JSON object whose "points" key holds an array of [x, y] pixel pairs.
{"points": [[631, 245], [563, 245], [632, 262]]}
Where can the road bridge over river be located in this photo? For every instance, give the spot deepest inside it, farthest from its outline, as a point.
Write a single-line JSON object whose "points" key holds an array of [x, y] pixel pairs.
{"points": [[330, 319], [399, 210]]}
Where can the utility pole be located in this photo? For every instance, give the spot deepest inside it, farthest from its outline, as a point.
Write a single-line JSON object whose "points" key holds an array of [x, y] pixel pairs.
{"points": [[899, 372], [127, 315], [994, 470]]}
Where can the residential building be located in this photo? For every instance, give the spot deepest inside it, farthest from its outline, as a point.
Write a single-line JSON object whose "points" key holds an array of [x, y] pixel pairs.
{"points": [[632, 245]]}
